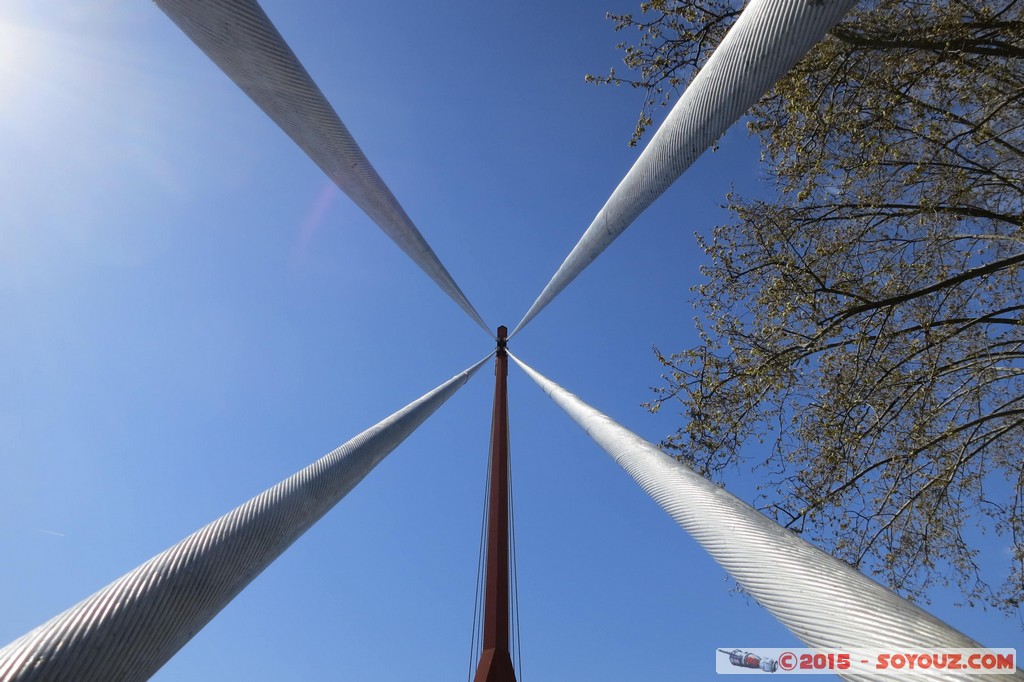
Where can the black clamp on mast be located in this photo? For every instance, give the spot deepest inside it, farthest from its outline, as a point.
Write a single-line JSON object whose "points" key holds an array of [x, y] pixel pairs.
{"points": [[502, 340]]}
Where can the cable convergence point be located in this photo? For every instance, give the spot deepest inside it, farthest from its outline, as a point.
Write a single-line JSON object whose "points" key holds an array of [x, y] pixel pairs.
{"points": [[502, 339]]}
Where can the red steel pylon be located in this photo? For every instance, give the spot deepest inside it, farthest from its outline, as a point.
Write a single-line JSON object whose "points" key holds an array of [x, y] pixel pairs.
{"points": [[495, 660]]}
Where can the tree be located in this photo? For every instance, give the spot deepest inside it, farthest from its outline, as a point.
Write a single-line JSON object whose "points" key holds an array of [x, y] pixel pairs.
{"points": [[864, 324]]}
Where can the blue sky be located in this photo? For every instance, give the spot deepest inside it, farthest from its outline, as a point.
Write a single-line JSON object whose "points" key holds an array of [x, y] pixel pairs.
{"points": [[192, 312]]}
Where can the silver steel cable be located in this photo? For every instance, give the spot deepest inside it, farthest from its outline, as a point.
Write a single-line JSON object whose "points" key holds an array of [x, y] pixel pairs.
{"points": [[517, 647], [240, 39], [129, 629], [769, 37], [820, 599], [476, 640]]}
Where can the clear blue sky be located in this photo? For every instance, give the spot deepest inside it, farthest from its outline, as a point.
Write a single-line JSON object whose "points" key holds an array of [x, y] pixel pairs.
{"points": [[191, 312]]}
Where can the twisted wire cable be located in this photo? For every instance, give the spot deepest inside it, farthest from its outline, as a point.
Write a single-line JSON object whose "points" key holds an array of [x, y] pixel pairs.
{"points": [[129, 629], [240, 39], [769, 37], [825, 602]]}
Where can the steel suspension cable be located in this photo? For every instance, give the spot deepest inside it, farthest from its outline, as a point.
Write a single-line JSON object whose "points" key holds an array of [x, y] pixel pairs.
{"points": [[476, 640], [517, 638], [240, 39], [825, 602], [129, 629], [769, 37]]}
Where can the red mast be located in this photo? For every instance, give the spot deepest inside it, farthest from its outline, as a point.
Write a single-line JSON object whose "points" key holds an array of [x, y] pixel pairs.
{"points": [[495, 660]]}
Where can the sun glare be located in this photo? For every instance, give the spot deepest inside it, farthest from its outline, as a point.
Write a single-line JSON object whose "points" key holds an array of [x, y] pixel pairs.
{"points": [[12, 42], [21, 62], [47, 72]]}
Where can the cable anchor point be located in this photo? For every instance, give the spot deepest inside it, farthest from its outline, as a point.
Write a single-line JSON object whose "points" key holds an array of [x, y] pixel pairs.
{"points": [[502, 339]]}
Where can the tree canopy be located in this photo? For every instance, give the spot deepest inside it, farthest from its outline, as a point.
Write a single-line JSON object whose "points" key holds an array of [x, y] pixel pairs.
{"points": [[864, 323]]}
